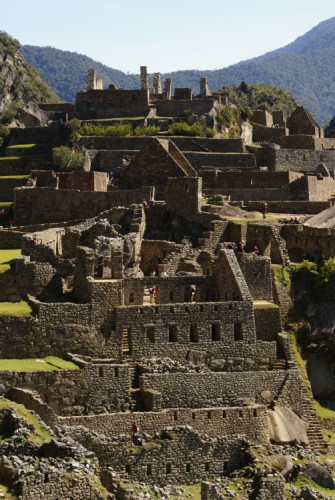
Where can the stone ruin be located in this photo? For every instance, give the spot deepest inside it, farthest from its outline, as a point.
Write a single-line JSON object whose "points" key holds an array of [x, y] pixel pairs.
{"points": [[199, 372]]}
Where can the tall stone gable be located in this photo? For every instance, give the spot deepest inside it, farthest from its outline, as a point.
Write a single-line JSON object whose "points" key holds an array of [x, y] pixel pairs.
{"points": [[154, 164]]}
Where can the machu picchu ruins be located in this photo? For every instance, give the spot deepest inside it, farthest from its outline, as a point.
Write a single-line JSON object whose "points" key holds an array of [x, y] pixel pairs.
{"points": [[156, 307]]}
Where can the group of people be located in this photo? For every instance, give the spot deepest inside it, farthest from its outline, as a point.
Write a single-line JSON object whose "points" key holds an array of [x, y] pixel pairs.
{"points": [[291, 221], [240, 248], [151, 203]]}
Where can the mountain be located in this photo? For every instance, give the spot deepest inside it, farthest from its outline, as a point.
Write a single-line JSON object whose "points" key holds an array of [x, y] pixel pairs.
{"points": [[19, 81], [304, 67]]}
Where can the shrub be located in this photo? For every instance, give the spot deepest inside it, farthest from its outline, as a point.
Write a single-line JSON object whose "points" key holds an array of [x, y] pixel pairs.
{"points": [[325, 283], [182, 128], [150, 130], [210, 132], [68, 159], [11, 112], [118, 129]]}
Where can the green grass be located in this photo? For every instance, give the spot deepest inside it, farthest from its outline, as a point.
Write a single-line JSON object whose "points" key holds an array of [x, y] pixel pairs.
{"points": [[39, 435], [21, 308], [10, 177], [60, 363], [323, 412], [265, 305], [50, 363], [6, 203], [328, 436], [304, 481], [282, 274], [4, 490], [6, 256]]}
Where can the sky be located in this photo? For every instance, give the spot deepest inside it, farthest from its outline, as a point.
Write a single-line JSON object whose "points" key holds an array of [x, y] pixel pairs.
{"points": [[164, 36]]}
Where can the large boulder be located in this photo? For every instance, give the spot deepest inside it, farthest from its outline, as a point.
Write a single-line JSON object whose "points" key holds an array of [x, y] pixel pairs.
{"points": [[319, 475], [286, 427], [32, 116]]}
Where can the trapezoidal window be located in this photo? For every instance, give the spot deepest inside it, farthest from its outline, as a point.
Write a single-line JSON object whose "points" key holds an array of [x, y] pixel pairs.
{"points": [[215, 332], [173, 333], [194, 336], [238, 331], [150, 334]]}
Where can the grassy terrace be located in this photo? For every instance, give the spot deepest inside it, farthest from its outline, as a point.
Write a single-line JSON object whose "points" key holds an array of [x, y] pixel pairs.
{"points": [[38, 435], [6, 256], [50, 363], [10, 177], [21, 308]]}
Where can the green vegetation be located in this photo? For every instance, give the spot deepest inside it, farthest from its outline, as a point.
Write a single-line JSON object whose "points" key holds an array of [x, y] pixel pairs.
{"points": [[146, 131], [119, 129], [265, 305], [282, 274], [38, 435], [6, 257], [21, 308], [184, 129], [320, 279], [25, 84], [49, 363], [68, 159]]}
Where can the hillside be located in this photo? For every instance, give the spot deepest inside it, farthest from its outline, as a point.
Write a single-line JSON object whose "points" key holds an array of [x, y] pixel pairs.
{"points": [[19, 81], [304, 67]]}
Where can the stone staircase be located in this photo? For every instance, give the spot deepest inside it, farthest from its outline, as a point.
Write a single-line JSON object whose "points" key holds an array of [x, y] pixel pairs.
{"points": [[314, 431], [125, 342]]}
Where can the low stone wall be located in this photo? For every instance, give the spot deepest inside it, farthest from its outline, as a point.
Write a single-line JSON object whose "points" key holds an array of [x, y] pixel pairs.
{"points": [[94, 388], [37, 205], [221, 160], [290, 207], [192, 390], [8, 289], [250, 421], [10, 239], [22, 165]]}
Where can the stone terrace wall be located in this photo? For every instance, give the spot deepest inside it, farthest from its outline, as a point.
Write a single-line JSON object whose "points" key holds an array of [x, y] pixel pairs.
{"points": [[183, 143], [34, 135], [7, 186], [179, 107], [10, 239], [268, 323], [270, 134], [256, 179], [38, 205], [251, 421], [196, 390], [95, 388], [221, 160], [290, 207]]}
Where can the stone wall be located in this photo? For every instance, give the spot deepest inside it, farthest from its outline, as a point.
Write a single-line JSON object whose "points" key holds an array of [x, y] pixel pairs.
{"points": [[302, 160], [111, 103], [95, 388], [265, 133], [179, 108], [221, 160], [251, 421], [290, 207], [10, 239], [184, 195], [40, 205], [128, 144], [7, 186], [196, 390], [258, 275], [303, 241], [268, 322]]}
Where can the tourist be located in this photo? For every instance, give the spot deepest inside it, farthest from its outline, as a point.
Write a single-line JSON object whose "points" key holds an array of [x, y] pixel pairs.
{"points": [[135, 428], [152, 292], [264, 209], [164, 274], [145, 204], [255, 250], [152, 202], [192, 292]]}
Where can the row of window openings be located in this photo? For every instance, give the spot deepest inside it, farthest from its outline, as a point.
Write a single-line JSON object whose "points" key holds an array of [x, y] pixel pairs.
{"points": [[304, 157], [168, 468], [102, 372], [210, 414], [298, 240], [194, 334]]}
